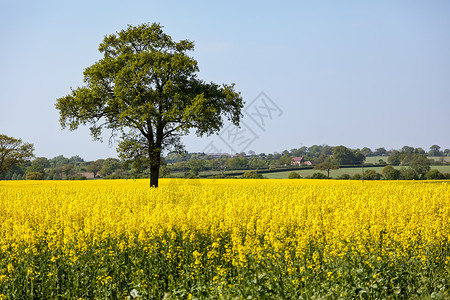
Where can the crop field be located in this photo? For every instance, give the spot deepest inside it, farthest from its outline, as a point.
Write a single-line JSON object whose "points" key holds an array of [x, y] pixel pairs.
{"points": [[224, 239]]}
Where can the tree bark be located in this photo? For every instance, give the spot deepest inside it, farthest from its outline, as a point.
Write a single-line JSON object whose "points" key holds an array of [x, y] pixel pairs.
{"points": [[154, 175], [155, 161]]}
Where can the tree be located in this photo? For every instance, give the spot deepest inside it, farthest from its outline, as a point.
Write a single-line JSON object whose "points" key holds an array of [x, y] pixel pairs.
{"points": [[372, 175], [68, 169], [327, 150], [222, 163], [326, 166], [237, 163], [390, 173], [395, 158], [434, 174], [146, 91], [407, 174], [342, 155], [38, 165], [322, 158], [285, 160], [34, 176], [435, 150], [314, 151], [419, 151], [380, 151], [299, 152], [76, 160], [196, 165], [366, 151], [257, 163], [59, 161], [109, 166], [420, 164], [345, 156], [13, 152], [94, 167]]}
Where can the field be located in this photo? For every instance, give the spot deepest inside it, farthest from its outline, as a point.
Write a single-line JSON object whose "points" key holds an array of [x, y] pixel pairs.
{"points": [[224, 239], [339, 172]]}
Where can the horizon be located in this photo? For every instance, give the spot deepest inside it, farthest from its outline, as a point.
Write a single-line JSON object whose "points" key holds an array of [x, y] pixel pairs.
{"points": [[259, 153]]}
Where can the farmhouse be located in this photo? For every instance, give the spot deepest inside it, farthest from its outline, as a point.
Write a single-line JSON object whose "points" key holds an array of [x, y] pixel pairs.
{"points": [[298, 161]]}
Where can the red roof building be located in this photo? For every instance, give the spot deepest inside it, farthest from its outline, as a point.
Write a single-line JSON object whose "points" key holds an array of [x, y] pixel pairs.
{"points": [[297, 161]]}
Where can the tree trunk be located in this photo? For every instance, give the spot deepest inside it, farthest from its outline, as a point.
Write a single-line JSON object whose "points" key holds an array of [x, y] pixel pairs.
{"points": [[154, 153], [155, 163], [154, 175]]}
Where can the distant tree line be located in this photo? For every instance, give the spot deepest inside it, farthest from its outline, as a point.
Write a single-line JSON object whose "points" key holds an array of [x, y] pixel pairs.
{"points": [[17, 162]]}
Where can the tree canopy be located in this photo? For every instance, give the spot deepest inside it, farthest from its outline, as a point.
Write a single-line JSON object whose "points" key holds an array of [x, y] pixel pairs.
{"points": [[345, 156], [326, 166], [145, 90], [13, 151]]}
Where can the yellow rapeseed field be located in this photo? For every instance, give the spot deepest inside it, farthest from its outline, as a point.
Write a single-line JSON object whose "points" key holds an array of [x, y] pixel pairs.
{"points": [[226, 238]]}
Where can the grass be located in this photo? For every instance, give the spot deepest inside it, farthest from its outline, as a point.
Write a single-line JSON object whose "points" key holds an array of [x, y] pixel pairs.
{"points": [[339, 172]]}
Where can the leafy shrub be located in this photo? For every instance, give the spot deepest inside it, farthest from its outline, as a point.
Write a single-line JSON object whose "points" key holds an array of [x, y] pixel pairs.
{"points": [[357, 177], [34, 176], [319, 176], [252, 175], [189, 175], [390, 173], [294, 175], [372, 175], [434, 174], [408, 174]]}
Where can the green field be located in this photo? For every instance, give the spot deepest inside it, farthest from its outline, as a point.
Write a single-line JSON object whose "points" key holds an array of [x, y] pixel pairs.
{"points": [[375, 159], [309, 172], [339, 172]]}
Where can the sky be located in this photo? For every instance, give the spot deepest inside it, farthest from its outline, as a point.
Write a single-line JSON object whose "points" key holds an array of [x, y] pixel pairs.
{"points": [[353, 73]]}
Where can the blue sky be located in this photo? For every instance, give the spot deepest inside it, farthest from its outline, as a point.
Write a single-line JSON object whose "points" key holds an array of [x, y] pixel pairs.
{"points": [[353, 73]]}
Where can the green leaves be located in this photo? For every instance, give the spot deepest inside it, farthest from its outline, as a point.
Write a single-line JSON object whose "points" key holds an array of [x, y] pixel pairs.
{"points": [[147, 84], [13, 151]]}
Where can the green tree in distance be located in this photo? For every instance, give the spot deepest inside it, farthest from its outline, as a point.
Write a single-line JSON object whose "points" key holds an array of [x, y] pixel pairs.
{"points": [[435, 150], [420, 164], [252, 175], [196, 165], [146, 91], [13, 152], [38, 165], [390, 173], [294, 175], [94, 167], [326, 166], [345, 156]]}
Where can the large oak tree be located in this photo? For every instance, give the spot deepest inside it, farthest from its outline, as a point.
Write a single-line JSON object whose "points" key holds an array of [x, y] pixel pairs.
{"points": [[145, 90]]}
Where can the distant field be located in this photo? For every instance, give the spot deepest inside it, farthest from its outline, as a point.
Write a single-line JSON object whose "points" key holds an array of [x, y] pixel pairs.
{"points": [[439, 158], [375, 159], [339, 172], [333, 173]]}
